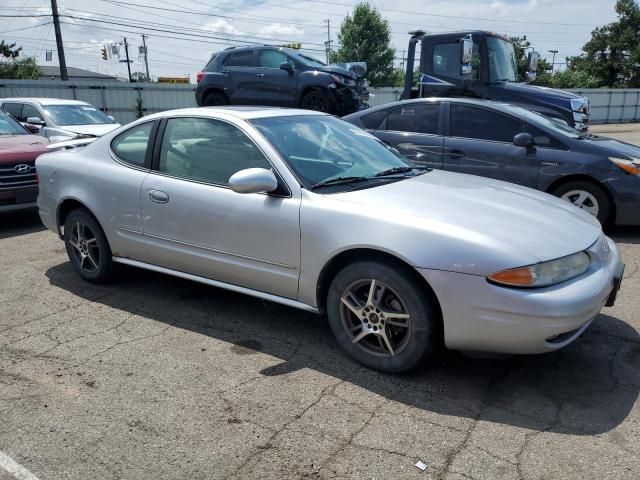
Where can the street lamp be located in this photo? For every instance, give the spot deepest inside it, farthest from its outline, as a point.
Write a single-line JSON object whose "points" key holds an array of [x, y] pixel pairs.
{"points": [[553, 61]]}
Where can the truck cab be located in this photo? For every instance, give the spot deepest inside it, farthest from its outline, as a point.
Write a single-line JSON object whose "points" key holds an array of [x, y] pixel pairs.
{"points": [[483, 64]]}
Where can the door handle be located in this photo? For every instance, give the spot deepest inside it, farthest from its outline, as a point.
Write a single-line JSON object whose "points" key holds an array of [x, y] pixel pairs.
{"points": [[158, 196], [259, 75], [456, 154]]}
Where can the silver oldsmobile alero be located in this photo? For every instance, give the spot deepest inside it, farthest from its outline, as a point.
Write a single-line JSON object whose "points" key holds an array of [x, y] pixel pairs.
{"points": [[303, 209]]}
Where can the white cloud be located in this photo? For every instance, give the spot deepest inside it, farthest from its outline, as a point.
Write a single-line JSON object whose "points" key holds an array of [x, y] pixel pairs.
{"points": [[221, 25], [279, 29]]}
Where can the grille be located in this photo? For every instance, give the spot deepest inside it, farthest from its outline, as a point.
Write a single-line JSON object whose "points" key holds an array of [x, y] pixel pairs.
{"points": [[10, 178]]}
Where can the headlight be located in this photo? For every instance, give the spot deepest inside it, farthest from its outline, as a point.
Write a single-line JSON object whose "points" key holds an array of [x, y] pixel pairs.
{"points": [[543, 274], [342, 80], [629, 166]]}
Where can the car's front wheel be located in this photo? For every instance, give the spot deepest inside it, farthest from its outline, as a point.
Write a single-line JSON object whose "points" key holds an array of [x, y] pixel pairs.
{"points": [[316, 100], [587, 196], [87, 247], [382, 316]]}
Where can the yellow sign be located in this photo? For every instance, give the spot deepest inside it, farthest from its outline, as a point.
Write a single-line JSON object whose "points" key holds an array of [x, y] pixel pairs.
{"points": [[294, 46], [173, 80]]}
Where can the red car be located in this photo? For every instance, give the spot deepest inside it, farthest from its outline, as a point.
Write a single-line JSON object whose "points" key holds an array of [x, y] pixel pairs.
{"points": [[19, 149]]}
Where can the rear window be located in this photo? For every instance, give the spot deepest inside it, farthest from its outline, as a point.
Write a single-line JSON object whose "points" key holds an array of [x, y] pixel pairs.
{"points": [[209, 65], [131, 146], [373, 120]]}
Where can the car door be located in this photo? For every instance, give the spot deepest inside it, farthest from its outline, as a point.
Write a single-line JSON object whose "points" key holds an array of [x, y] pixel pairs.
{"points": [[194, 223], [480, 142], [415, 130], [276, 86], [243, 71]]}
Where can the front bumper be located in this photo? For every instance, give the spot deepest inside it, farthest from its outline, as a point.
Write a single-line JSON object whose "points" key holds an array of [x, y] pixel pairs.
{"points": [[18, 198], [480, 316], [625, 190], [348, 99]]}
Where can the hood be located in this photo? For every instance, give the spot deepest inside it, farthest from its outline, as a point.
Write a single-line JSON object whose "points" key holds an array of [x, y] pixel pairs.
{"points": [[352, 69], [515, 92], [533, 222], [613, 147], [96, 130], [21, 148]]}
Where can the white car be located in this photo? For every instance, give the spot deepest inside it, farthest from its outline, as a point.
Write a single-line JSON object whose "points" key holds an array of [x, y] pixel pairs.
{"points": [[60, 119]]}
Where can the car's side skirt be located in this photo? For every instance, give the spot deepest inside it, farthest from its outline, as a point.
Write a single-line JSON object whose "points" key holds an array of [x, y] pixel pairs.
{"points": [[215, 283]]}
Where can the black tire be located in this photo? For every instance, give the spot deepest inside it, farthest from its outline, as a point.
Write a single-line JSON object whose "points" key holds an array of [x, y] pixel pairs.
{"points": [[596, 197], [88, 252], [316, 100], [410, 344], [215, 99]]}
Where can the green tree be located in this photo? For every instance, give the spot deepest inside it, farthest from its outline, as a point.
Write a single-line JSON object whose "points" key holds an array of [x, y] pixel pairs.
{"points": [[613, 53], [568, 78], [9, 50], [365, 36], [139, 77]]}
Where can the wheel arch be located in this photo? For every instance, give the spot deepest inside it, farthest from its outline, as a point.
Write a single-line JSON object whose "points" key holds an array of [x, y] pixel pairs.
{"points": [[67, 206], [346, 257], [580, 177]]}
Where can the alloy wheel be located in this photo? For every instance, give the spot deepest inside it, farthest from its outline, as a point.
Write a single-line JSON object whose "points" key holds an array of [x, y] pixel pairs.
{"points": [[376, 318], [85, 247], [584, 200], [314, 101]]}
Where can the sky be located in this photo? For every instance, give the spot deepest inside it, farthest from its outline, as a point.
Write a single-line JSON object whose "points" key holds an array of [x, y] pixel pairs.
{"points": [[182, 34]]}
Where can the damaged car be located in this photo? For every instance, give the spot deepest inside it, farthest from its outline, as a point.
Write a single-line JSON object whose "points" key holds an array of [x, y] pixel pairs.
{"points": [[281, 77]]}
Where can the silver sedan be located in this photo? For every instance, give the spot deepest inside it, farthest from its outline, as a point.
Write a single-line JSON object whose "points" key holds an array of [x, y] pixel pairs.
{"points": [[303, 209]]}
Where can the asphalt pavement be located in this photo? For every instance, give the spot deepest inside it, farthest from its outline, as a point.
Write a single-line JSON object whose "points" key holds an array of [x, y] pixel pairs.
{"points": [[152, 377]]}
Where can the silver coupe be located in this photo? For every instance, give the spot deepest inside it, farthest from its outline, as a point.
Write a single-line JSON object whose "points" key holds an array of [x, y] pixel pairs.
{"points": [[303, 209]]}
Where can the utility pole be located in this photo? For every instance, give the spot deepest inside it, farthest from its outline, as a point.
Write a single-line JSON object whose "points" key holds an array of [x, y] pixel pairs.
{"points": [[56, 27], [126, 52], [146, 62], [553, 62], [328, 42]]}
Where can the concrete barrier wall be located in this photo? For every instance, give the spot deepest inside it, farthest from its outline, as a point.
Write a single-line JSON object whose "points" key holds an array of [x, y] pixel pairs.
{"points": [[120, 99]]}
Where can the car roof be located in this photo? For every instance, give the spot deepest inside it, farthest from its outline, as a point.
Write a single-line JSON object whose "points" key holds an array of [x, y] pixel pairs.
{"points": [[45, 101], [501, 106], [242, 112]]}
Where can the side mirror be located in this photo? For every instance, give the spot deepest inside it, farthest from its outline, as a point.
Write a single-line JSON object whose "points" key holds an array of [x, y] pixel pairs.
{"points": [[253, 180], [524, 140], [35, 121], [466, 54], [286, 66]]}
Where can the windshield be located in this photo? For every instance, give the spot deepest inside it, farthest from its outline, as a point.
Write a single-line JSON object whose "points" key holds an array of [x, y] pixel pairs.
{"points": [[502, 60], [8, 126], [312, 62], [76, 115], [320, 148], [556, 126]]}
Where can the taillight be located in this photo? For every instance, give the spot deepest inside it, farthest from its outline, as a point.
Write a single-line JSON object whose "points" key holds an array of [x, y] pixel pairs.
{"points": [[199, 76]]}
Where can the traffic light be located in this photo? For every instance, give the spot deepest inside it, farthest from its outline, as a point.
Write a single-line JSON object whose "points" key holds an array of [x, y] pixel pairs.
{"points": [[105, 56]]}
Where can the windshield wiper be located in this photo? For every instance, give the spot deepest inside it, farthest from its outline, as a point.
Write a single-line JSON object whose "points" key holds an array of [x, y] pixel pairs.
{"points": [[394, 170], [339, 181]]}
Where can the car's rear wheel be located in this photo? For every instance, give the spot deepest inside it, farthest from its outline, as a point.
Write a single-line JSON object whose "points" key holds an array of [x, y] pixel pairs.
{"points": [[215, 99], [87, 247], [588, 196], [382, 316], [316, 100]]}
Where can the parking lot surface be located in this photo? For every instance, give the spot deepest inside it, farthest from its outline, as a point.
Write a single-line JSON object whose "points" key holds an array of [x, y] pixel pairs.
{"points": [[152, 377]]}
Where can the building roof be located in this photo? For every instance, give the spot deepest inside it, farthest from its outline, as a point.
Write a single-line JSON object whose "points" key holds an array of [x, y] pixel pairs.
{"points": [[72, 72]]}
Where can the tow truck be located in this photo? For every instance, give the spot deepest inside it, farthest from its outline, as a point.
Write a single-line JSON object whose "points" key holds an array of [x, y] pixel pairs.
{"points": [[482, 64]]}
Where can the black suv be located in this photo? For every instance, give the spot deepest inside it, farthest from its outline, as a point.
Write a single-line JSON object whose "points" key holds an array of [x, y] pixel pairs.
{"points": [[281, 77]]}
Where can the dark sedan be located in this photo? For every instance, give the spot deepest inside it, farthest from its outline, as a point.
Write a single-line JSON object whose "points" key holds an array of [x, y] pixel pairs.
{"points": [[495, 140]]}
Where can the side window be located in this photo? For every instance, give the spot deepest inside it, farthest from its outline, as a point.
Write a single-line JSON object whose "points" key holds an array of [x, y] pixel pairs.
{"points": [[543, 139], [207, 150], [131, 146], [29, 111], [240, 59], [273, 58], [472, 122], [13, 109], [373, 120], [419, 118], [446, 60]]}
